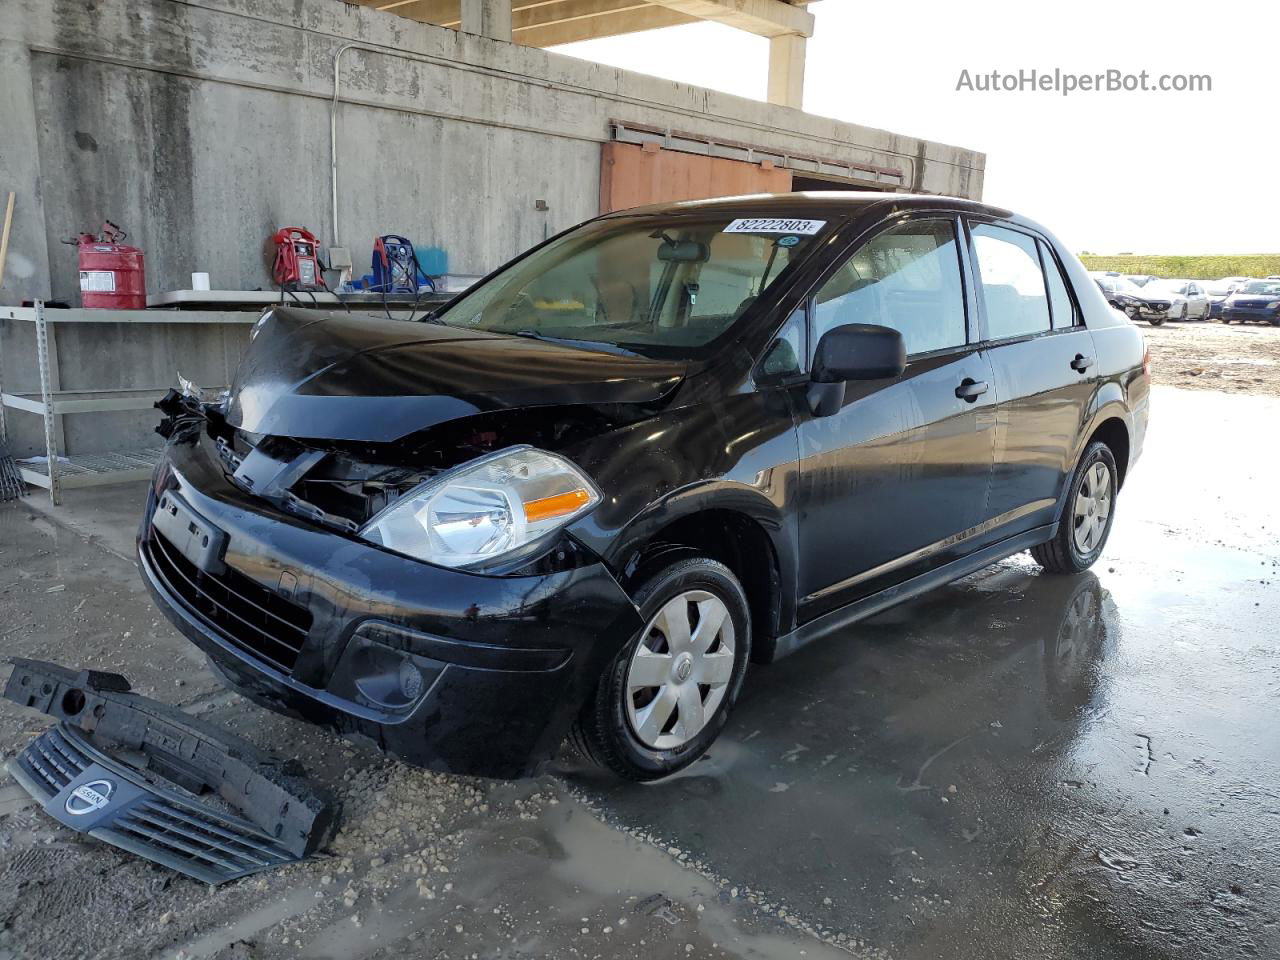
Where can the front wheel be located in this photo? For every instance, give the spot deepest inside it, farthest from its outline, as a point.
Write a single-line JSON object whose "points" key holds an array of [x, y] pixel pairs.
{"points": [[666, 696], [1085, 520], [1156, 321]]}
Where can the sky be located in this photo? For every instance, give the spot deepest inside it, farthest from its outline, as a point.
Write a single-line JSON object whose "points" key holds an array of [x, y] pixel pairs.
{"points": [[1108, 172]]}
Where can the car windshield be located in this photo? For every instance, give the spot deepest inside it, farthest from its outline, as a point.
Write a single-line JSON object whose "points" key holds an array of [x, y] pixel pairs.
{"points": [[656, 286], [1167, 287], [1121, 285], [1220, 288], [1266, 287]]}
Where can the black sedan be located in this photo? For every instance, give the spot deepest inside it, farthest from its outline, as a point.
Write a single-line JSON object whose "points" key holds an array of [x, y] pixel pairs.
{"points": [[659, 447], [1257, 300]]}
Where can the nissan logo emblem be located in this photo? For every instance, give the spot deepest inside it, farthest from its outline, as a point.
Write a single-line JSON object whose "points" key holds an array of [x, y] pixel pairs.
{"points": [[89, 797]]}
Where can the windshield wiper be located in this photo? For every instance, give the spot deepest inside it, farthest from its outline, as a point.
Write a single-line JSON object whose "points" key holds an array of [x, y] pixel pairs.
{"points": [[599, 345]]}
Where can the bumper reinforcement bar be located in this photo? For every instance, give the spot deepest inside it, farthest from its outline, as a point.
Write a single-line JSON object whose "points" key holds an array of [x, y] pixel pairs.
{"points": [[191, 797]]}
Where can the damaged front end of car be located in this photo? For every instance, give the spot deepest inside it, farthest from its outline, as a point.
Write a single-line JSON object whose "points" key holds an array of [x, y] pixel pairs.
{"points": [[369, 532]]}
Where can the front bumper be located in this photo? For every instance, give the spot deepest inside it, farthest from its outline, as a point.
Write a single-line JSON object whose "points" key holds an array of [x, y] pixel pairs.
{"points": [[444, 669], [1251, 314], [1145, 311]]}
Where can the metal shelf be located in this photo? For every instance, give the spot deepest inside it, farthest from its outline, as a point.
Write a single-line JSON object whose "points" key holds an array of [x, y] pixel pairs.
{"points": [[87, 401], [92, 470], [51, 403], [81, 315]]}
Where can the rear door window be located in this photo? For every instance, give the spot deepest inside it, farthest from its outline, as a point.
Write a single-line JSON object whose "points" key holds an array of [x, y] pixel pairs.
{"points": [[906, 277], [1013, 286], [1060, 303]]}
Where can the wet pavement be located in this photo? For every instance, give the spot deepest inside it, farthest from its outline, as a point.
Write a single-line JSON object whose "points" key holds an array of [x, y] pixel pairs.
{"points": [[1016, 765], [1025, 765]]}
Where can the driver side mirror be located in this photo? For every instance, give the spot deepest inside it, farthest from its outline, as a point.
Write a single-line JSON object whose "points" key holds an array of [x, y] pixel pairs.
{"points": [[853, 351]]}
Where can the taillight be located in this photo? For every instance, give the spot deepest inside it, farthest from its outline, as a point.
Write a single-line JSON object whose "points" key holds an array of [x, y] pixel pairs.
{"points": [[1146, 359]]}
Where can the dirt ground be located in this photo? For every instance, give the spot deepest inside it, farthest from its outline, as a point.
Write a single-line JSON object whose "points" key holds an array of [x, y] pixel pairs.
{"points": [[1239, 358]]}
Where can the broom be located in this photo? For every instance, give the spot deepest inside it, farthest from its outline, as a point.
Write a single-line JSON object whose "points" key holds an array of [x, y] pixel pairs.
{"points": [[12, 486]]}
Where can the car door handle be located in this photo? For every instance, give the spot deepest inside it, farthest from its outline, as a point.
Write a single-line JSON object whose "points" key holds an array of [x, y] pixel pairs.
{"points": [[1081, 363], [971, 390]]}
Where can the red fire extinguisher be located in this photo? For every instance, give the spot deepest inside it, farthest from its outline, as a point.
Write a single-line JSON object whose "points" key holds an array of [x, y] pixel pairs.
{"points": [[296, 265], [111, 273]]}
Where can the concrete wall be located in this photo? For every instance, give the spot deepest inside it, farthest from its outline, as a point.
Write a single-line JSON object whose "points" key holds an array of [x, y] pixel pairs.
{"points": [[202, 126]]}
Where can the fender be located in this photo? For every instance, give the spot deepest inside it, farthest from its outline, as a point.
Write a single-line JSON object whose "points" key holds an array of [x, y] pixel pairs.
{"points": [[723, 496], [1109, 402]]}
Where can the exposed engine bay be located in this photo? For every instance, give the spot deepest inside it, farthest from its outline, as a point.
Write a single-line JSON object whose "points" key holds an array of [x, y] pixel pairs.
{"points": [[342, 485]]}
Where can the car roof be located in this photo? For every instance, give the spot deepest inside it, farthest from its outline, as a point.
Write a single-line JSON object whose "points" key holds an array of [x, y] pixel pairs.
{"points": [[843, 203]]}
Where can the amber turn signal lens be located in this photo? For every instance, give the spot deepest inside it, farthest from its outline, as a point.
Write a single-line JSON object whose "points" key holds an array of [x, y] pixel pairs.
{"points": [[561, 505]]}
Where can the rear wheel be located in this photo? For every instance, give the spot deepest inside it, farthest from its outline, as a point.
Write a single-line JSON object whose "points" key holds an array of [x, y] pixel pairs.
{"points": [[1085, 521], [666, 696]]}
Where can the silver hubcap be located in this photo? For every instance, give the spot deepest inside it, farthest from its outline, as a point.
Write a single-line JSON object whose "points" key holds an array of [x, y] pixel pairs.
{"points": [[1093, 507], [680, 669]]}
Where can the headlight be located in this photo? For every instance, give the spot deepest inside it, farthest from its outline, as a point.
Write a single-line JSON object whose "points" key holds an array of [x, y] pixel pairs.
{"points": [[1275, 305], [485, 510]]}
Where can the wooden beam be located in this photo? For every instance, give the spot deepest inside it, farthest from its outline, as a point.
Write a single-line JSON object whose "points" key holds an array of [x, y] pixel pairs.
{"points": [[545, 23], [767, 18], [602, 26]]}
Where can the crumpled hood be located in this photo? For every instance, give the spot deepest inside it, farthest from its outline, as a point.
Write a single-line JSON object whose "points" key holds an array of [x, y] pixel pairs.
{"points": [[360, 378]]}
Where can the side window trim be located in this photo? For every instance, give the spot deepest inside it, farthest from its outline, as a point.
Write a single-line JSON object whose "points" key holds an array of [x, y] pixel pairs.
{"points": [[764, 379], [1048, 260]]}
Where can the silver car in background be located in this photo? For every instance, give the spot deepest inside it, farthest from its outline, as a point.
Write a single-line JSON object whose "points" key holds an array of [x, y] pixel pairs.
{"points": [[1187, 299]]}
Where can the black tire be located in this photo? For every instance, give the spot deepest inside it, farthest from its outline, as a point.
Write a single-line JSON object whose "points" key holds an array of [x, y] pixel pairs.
{"points": [[1062, 554], [1185, 310], [1155, 321], [603, 732]]}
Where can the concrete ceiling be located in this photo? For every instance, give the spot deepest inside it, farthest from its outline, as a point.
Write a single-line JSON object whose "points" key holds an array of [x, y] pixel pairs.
{"points": [[545, 23]]}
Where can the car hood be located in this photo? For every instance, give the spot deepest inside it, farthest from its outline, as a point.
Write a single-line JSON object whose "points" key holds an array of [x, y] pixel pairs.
{"points": [[360, 378]]}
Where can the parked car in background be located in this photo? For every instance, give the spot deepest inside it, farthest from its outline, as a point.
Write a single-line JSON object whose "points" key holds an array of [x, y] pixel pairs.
{"points": [[663, 445], [1257, 300], [1188, 299], [1127, 297], [1219, 290]]}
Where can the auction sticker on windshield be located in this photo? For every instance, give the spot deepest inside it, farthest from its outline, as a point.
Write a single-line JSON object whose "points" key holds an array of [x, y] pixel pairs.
{"points": [[775, 225]]}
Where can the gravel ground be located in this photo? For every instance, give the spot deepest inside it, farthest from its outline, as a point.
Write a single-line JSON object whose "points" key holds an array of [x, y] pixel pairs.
{"points": [[424, 864], [1235, 358]]}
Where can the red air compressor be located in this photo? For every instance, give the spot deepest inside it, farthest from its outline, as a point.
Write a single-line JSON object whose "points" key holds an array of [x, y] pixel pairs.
{"points": [[296, 265], [111, 274]]}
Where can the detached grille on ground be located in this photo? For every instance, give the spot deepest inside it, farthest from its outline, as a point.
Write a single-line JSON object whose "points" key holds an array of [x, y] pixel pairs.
{"points": [[53, 761], [188, 835], [257, 620]]}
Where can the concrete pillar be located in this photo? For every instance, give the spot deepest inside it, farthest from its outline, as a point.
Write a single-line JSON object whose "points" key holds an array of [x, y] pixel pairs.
{"points": [[26, 271], [786, 70], [488, 18]]}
